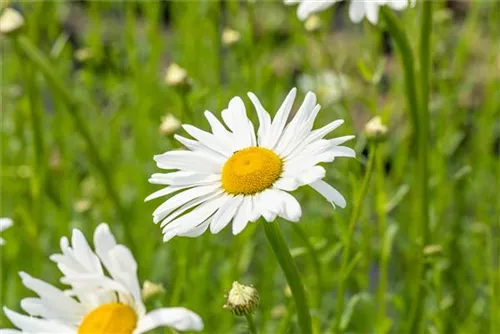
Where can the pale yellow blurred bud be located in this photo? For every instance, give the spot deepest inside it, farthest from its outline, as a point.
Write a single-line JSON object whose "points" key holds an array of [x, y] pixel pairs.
{"points": [[230, 37], [242, 299], [82, 205], [375, 130], [82, 55], [313, 23], [150, 289], [169, 124], [432, 250], [11, 21], [176, 76]]}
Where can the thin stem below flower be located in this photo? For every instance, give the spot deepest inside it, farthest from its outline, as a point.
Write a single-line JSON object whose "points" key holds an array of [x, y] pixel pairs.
{"points": [[356, 211], [251, 324], [291, 272]]}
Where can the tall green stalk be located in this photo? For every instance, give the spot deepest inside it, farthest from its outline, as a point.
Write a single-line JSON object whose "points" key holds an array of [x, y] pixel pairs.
{"points": [[423, 162], [292, 275], [346, 254]]}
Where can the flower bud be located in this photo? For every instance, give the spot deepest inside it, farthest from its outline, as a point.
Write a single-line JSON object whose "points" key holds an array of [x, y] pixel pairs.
{"points": [[176, 76], [11, 21], [375, 130], [313, 23], [150, 289], [230, 37], [242, 299], [169, 124]]}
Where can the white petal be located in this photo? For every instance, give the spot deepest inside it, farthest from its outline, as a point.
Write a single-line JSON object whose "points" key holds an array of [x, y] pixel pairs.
{"points": [[182, 198], [194, 145], [236, 119], [357, 10], [303, 132], [372, 9], [166, 191], [270, 204], [397, 4], [342, 151], [292, 210], [195, 217], [313, 174], [280, 119], [340, 140], [264, 119], [189, 205], [225, 214], [290, 137], [243, 215], [35, 325], [178, 318], [123, 268], [286, 183], [217, 128], [198, 230], [306, 8], [216, 143], [83, 252], [189, 161], [182, 178], [328, 192]]}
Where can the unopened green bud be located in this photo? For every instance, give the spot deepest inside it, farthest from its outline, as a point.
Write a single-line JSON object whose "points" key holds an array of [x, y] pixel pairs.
{"points": [[150, 289], [242, 299]]}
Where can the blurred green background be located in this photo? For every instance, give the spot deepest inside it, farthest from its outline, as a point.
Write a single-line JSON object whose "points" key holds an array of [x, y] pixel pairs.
{"points": [[113, 56]]}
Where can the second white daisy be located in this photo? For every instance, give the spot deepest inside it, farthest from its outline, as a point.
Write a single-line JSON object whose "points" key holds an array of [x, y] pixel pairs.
{"points": [[233, 175]]}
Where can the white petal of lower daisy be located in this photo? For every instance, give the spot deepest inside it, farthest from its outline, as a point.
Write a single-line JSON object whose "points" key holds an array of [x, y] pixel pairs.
{"points": [[328, 192], [36, 325], [279, 120], [182, 178], [188, 161], [397, 4], [264, 119], [321, 132], [178, 318], [182, 198], [292, 210], [303, 131], [47, 291], [83, 251], [226, 213], [48, 309], [243, 215], [255, 214]]}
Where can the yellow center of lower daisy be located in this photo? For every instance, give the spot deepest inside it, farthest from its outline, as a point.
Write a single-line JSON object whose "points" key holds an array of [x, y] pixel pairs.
{"points": [[250, 171], [113, 318]]}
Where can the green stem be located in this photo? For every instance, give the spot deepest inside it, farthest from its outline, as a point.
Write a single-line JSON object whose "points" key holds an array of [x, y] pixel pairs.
{"points": [[423, 163], [317, 267], [382, 227], [251, 324], [291, 272], [73, 106], [350, 235], [401, 39]]}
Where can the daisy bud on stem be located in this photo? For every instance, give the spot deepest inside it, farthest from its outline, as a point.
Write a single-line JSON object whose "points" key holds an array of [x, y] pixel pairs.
{"points": [[375, 130], [242, 300], [11, 21], [150, 290]]}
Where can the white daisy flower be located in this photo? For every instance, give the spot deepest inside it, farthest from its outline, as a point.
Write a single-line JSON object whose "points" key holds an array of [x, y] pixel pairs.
{"points": [[105, 296], [232, 174], [358, 9], [5, 223], [308, 7]]}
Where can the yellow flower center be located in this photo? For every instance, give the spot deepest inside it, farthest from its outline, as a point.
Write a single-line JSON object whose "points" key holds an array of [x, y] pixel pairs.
{"points": [[113, 318], [250, 171]]}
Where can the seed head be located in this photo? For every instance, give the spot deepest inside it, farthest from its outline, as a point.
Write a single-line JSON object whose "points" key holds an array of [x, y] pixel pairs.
{"points": [[375, 130], [176, 76]]}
